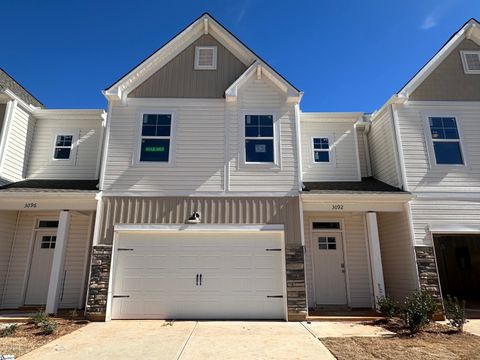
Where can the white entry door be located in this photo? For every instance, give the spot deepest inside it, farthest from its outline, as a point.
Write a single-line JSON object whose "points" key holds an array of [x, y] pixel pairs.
{"points": [[329, 268], [198, 276], [40, 268]]}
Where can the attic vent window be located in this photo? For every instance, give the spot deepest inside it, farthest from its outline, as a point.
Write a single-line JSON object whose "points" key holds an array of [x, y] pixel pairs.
{"points": [[206, 58], [471, 62]]}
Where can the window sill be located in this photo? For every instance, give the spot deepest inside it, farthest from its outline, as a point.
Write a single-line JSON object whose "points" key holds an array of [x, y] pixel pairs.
{"points": [[260, 167]]}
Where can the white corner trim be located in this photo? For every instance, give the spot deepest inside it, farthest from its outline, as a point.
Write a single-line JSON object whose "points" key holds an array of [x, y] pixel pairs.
{"points": [[399, 156], [357, 153], [7, 120], [200, 228]]}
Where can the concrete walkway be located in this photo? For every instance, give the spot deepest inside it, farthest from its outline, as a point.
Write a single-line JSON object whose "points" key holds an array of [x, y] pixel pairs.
{"points": [[473, 326], [323, 329], [186, 340]]}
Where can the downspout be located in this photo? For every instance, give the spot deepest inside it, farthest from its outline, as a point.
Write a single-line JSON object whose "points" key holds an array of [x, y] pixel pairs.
{"points": [[300, 171], [399, 148], [10, 259], [367, 150]]}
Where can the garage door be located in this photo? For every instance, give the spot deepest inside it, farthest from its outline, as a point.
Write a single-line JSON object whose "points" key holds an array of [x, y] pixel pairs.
{"points": [[183, 275]]}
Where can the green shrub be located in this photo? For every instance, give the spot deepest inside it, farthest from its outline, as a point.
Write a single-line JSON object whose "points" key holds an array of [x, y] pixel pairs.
{"points": [[388, 306], [38, 318], [418, 310], [455, 312], [73, 314], [47, 327], [8, 330]]}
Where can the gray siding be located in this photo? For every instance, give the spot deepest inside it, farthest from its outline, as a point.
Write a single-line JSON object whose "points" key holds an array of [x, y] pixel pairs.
{"points": [[448, 82], [397, 254], [179, 79], [224, 210]]}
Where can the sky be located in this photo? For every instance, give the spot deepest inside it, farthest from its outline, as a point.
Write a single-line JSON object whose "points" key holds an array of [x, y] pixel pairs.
{"points": [[349, 55]]}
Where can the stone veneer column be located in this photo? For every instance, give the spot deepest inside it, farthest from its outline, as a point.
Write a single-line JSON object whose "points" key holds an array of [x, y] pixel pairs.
{"points": [[427, 272], [296, 294], [96, 307]]}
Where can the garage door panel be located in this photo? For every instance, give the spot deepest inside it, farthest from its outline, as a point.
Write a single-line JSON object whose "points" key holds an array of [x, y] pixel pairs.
{"points": [[159, 275]]}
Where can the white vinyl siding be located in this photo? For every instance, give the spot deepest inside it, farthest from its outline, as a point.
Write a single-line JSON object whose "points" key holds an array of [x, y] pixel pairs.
{"points": [[83, 157], [262, 96], [362, 152], [19, 139], [382, 148], [397, 254], [420, 175], [343, 160], [357, 262], [198, 158], [7, 229], [446, 213], [76, 252]]}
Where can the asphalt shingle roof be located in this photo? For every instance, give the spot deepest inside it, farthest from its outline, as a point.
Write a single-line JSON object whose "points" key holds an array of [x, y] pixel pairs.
{"points": [[51, 185], [368, 184]]}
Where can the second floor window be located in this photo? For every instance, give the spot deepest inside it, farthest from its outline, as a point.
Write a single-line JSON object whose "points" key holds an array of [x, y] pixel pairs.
{"points": [[323, 149], [156, 137], [446, 140], [259, 139], [63, 147]]}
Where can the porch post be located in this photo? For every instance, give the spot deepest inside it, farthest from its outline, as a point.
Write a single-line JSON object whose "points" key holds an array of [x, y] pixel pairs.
{"points": [[375, 256], [56, 275]]}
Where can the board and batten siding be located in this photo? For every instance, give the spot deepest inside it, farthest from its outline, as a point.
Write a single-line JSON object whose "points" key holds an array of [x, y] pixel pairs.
{"points": [[179, 79], [75, 259], [381, 140], [421, 176], [362, 152], [84, 164], [18, 144], [262, 96], [197, 148], [397, 254], [8, 221], [357, 261], [445, 213], [344, 166], [213, 210]]}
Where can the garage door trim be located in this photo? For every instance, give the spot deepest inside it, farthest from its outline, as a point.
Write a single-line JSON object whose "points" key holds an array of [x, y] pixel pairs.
{"points": [[187, 228]]}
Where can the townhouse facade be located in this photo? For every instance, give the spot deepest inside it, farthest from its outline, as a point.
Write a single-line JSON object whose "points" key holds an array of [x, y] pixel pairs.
{"points": [[205, 192]]}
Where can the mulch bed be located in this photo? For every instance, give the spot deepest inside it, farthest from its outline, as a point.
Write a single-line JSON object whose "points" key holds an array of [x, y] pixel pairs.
{"points": [[436, 341], [28, 337]]}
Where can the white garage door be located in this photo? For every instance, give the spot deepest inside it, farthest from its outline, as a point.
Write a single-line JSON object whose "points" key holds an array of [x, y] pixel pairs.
{"points": [[160, 275]]}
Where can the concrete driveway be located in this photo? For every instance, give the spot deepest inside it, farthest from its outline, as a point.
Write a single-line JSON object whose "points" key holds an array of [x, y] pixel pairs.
{"points": [[186, 340]]}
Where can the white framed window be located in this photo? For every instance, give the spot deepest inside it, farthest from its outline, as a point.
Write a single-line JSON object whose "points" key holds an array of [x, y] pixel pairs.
{"points": [[444, 141], [48, 242], [259, 139], [63, 146], [470, 61], [205, 58], [323, 149], [155, 138]]}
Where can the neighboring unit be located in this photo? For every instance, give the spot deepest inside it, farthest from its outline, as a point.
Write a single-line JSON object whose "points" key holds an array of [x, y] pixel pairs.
{"points": [[434, 153], [49, 164]]}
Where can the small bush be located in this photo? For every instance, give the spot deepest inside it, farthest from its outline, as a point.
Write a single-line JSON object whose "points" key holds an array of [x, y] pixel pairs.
{"points": [[47, 327], [8, 330], [73, 314], [388, 306], [38, 318], [418, 310], [455, 312]]}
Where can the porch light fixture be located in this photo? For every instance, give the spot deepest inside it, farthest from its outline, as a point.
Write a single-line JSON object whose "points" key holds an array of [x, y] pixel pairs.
{"points": [[194, 218]]}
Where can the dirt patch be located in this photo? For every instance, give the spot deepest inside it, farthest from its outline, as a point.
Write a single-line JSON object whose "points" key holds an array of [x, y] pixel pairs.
{"points": [[28, 337], [435, 342]]}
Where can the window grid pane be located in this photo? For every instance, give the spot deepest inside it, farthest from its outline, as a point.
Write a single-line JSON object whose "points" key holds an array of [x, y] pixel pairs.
{"points": [[446, 140], [259, 139], [155, 142]]}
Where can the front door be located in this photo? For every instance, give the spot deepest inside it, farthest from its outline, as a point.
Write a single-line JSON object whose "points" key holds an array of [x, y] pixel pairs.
{"points": [[329, 268], [40, 268]]}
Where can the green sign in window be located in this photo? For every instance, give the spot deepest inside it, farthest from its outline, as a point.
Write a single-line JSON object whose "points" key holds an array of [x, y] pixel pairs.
{"points": [[155, 149]]}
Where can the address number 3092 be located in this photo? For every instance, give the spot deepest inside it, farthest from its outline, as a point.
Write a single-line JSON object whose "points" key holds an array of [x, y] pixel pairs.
{"points": [[337, 207]]}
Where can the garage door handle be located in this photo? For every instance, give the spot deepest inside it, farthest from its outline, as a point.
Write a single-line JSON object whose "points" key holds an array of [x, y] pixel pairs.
{"points": [[196, 283], [200, 279], [274, 296]]}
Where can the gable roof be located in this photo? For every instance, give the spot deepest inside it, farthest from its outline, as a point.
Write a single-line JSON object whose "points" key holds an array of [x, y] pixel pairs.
{"points": [[470, 30], [9, 83], [205, 24]]}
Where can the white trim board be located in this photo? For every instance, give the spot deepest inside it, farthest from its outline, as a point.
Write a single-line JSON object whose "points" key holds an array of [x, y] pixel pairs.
{"points": [[200, 228]]}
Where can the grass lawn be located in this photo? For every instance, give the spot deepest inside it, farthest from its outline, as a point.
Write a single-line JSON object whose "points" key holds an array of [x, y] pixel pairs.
{"points": [[435, 342], [28, 337]]}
